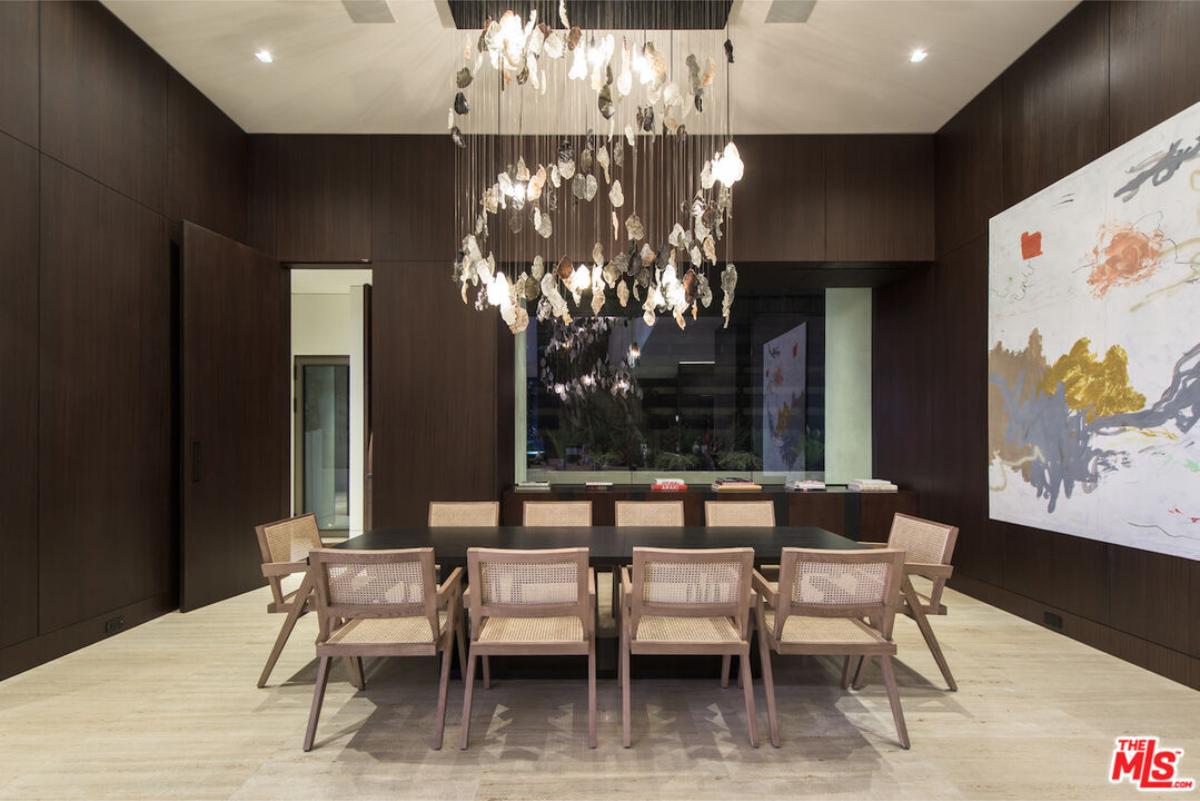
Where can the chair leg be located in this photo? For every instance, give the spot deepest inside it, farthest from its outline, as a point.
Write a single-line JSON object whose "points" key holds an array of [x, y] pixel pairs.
{"points": [[357, 677], [487, 673], [860, 674], [626, 723], [764, 656], [285, 631], [726, 659], [469, 685], [318, 699], [922, 620], [461, 636], [592, 694], [443, 686], [846, 673], [748, 691], [889, 681]]}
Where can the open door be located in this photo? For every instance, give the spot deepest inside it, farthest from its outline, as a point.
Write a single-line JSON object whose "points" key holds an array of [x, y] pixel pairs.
{"points": [[234, 418]]}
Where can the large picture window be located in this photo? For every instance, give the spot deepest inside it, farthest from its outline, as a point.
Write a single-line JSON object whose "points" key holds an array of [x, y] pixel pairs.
{"points": [[612, 395]]}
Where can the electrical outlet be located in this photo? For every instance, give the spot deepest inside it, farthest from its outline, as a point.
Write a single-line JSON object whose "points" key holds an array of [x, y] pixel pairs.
{"points": [[114, 624], [1052, 620]]}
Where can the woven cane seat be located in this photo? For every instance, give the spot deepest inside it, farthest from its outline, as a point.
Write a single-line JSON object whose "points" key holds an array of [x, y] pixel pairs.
{"points": [[531, 630], [667, 628], [412, 630], [831, 630]]}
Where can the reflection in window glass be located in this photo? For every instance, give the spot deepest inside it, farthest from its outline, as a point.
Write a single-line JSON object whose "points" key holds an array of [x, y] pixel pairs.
{"points": [[613, 394]]}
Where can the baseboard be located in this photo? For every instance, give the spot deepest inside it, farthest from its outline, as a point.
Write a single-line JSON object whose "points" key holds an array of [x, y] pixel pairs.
{"points": [[35, 651], [1172, 664]]}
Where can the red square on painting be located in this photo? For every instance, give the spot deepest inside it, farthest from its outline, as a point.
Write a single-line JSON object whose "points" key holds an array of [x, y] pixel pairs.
{"points": [[1031, 244]]}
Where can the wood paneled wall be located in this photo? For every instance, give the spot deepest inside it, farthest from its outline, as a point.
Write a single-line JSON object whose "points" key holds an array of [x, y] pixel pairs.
{"points": [[103, 149], [1106, 73]]}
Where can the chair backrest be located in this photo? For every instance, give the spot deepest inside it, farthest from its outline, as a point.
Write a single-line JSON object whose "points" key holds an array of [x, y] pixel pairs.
{"points": [[464, 513], [832, 583], [394, 583], [924, 542], [649, 513], [535, 583], [739, 513], [687, 582], [287, 541], [557, 513]]}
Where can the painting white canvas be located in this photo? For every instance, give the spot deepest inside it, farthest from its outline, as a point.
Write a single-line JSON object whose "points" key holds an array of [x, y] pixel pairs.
{"points": [[1094, 348], [784, 376]]}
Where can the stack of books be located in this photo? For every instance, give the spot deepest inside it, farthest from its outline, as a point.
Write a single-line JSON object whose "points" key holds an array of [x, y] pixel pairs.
{"points": [[668, 485], [525, 486], [598, 485], [871, 485], [808, 485], [735, 485]]}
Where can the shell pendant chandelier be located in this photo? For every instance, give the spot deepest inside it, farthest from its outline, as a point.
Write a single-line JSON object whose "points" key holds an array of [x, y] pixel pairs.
{"points": [[594, 169]]}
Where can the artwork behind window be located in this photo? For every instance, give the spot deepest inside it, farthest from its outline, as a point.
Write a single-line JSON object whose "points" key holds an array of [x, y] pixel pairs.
{"points": [[612, 395]]}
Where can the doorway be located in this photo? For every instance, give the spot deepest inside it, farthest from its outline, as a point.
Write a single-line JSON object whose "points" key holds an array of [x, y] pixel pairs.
{"points": [[330, 369]]}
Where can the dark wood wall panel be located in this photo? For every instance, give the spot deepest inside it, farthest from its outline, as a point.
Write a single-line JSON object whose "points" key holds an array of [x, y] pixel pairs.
{"points": [[18, 389], [264, 171], [1053, 111], [779, 206], [433, 393], [208, 163], [323, 198], [969, 177], [1056, 104], [19, 70], [879, 198], [104, 100], [105, 470], [411, 198], [1150, 84]]}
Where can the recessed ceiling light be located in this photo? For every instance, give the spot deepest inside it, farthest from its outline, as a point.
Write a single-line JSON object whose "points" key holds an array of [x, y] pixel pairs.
{"points": [[264, 56], [918, 55]]}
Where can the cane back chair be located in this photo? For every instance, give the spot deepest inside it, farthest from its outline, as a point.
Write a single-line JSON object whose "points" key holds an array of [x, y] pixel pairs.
{"points": [[284, 547]]}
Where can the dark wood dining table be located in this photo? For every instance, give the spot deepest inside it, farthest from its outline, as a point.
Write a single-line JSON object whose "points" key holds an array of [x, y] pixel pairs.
{"points": [[610, 546]]}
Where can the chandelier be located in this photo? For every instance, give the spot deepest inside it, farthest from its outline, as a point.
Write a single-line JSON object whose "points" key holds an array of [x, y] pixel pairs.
{"points": [[594, 170]]}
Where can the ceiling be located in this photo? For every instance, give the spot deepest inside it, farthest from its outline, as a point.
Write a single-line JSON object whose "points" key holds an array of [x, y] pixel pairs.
{"points": [[845, 70]]}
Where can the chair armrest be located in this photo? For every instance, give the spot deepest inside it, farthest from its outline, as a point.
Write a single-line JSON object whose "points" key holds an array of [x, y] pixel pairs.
{"points": [[626, 587], [929, 571], [763, 588], [866, 544], [452, 583], [273, 569]]}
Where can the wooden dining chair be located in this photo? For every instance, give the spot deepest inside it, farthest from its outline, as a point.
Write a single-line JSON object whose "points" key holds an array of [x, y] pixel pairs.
{"points": [[543, 514], [642, 513], [464, 513], [831, 603], [928, 548], [284, 546], [382, 603], [739, 513], [687, 601], [540, 603], [648, 513]]}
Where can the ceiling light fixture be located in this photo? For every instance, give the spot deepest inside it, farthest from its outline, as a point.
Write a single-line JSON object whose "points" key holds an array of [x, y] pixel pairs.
{"points": [[638, 127], [264, 56], [918, 55]]}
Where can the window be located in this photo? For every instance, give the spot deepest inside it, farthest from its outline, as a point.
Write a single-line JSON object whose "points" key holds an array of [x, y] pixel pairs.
{"points": [[615, 396]]}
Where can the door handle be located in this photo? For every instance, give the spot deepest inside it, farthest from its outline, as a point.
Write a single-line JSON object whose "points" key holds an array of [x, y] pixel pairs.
{"points": [[195, 462]]}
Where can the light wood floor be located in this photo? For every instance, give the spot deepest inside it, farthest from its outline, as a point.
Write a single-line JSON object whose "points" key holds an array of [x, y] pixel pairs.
{"points": [[170, 710]]}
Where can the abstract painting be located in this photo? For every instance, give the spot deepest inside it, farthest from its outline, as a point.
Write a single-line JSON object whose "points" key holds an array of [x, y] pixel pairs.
{"points": [[784, 372], [1094, 348]]}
